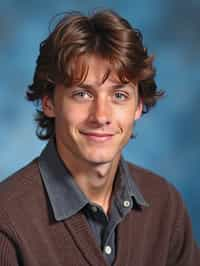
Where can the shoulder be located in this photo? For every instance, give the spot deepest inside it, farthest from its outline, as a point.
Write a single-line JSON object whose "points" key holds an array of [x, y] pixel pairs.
{"points": [[166, 216], [21, 189], [23, 206], [165, 202], [17, 183], [157, 190]]}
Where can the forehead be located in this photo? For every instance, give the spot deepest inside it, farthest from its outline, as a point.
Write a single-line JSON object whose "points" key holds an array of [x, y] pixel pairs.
{"points": [[96, 70]]}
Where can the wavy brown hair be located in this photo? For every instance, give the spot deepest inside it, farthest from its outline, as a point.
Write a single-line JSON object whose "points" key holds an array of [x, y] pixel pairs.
{"points": [[104, 34]]}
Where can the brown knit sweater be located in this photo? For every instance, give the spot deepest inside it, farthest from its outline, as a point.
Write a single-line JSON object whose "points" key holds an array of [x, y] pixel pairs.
{"points": [[159, 235]]}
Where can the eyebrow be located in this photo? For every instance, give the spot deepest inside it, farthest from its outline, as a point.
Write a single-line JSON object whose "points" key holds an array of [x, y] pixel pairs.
{"points": [[114, 86]]}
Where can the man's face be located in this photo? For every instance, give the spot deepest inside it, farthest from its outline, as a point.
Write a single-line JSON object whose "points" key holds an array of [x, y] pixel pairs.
{"points": [[94, 121]]}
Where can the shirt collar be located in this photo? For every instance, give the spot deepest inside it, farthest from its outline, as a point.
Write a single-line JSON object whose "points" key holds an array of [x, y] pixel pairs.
{"points": [[128, 186], [65, 196]]}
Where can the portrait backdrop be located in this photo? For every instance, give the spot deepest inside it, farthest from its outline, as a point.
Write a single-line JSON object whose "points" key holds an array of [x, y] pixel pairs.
{"points": [[167, 138]]}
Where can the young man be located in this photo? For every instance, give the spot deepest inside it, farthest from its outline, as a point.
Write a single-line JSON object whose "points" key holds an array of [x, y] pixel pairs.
{"points": [[79, 202]]}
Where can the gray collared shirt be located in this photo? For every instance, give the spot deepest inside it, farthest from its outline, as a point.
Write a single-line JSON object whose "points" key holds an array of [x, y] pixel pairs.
{"points": [[67, 199]]}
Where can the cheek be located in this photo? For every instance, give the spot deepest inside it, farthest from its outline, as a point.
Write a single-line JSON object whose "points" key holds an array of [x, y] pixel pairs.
{"points": [[71, 116], [126, 117]]}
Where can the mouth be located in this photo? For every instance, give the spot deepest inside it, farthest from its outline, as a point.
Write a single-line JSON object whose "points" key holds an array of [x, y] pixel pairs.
{"points": [[98, 137]]}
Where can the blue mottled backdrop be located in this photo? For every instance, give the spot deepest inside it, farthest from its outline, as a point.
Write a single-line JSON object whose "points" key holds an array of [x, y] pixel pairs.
{"points": [[167, 138]]}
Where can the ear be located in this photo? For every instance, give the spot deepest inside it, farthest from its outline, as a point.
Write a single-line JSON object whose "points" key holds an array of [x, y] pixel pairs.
{"points": [[48, 106], [138, 112]]}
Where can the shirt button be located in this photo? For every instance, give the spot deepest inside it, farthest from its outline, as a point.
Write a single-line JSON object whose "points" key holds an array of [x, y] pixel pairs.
{"points": [[126, 203], [107, 250], [94, 209]]}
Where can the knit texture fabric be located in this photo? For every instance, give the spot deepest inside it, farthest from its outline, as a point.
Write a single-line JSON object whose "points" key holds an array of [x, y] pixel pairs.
{"points": [[159, 235]]}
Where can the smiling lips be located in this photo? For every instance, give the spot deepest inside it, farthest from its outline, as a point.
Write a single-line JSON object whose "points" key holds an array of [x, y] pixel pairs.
{"points": [[98, 137]]}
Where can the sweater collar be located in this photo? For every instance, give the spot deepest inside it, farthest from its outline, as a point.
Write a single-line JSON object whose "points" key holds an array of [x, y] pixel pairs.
{"points": [[65, 197]]}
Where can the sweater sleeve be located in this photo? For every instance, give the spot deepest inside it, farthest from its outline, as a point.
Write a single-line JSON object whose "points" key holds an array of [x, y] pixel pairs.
{"points": [[184, 250], [8, 256]]}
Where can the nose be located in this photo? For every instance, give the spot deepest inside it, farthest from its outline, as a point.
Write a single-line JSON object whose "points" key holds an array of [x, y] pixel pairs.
{"points": [[100, 112]]}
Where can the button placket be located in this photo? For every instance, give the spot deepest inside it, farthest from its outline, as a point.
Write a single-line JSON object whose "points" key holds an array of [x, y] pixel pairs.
{"points": [[94, 209], [107, 250], [126, 203]]}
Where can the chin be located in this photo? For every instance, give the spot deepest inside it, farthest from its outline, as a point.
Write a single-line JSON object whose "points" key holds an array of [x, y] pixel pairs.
{"points": [[101, 159]]}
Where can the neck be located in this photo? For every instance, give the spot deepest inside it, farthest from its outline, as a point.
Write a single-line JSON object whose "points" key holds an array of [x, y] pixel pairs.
{"points": [[97, 183]]}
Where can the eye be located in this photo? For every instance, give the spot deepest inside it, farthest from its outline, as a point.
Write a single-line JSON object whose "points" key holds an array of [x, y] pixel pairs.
{"points": [[82, 95], [120, 96]]}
